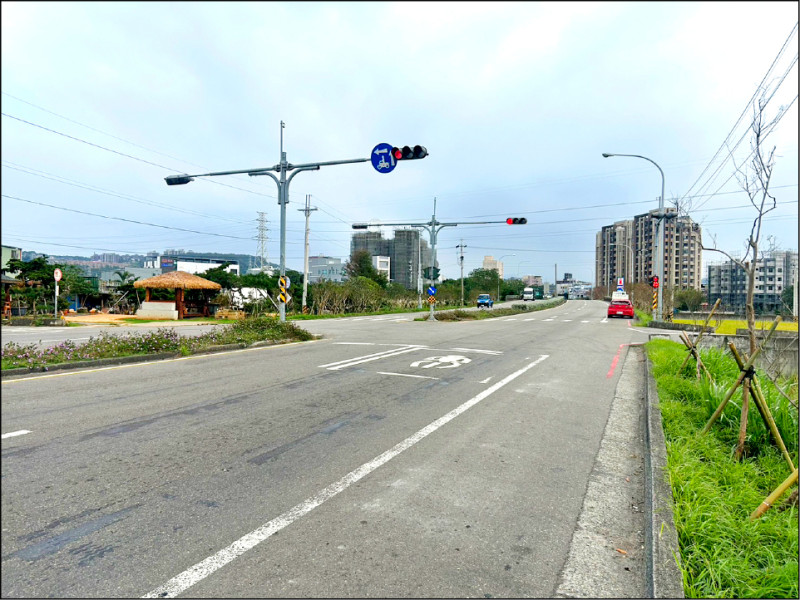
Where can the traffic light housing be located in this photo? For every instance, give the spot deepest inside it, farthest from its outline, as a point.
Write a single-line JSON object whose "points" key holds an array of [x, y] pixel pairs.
{"points": [[655, 281], [516, 221], [409, 152], [434, 274]]}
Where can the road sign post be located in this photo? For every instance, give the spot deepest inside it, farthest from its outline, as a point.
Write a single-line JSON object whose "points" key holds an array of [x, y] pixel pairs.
{"points": [[57, 276]]}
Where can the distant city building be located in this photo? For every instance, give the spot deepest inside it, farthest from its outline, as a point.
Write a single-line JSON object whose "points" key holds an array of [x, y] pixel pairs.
{"points": [[8, 253], [408, 254], [325, 268], [626, 249], [774, 272], [490, 264], [382, 264], [188, 264]]}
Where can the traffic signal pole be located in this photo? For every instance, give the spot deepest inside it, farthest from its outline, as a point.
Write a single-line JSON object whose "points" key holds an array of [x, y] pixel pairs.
{"points": [[433, 227], [282, 181]]}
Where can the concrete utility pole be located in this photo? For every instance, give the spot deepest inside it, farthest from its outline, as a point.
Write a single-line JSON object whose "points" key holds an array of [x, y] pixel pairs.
{"points": [[461, 247], [433, 227], [282, 181], [307, 210]]}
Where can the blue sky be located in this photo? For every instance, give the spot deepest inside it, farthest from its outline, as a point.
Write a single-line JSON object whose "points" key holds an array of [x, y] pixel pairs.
{"points": [[515, 103]]}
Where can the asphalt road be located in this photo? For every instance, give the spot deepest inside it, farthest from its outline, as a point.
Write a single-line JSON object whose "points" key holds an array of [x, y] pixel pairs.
{"points": [[391, 458]]}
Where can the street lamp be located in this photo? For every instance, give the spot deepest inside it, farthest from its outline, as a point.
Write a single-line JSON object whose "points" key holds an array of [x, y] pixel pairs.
{"points": [[524, 262], [498, 273], [660, 236]]}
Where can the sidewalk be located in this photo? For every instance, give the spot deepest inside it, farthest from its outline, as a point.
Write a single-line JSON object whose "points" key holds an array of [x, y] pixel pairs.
{"points": [[125, 320]]}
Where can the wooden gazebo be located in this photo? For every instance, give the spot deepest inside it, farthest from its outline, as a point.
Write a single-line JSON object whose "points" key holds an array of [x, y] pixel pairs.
{"points": [[179, 308], [8, 283]]}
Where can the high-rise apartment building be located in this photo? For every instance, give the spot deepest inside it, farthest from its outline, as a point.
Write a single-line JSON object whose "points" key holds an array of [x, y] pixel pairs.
{"points": [[408, 253], [627, 249], [774, 272]]}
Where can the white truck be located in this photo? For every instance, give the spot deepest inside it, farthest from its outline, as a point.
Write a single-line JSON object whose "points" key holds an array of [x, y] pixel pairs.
{"points": [[527, 294]]}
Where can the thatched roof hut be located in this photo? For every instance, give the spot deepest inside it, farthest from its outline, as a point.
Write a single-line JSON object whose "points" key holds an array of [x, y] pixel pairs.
{"points": [[177, 280]]}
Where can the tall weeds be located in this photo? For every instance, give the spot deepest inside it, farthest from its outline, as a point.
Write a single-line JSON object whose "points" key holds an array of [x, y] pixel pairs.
{"points": [[723, 553]]}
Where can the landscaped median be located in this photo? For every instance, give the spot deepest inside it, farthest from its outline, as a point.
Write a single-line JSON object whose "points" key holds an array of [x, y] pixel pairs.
{"points": [[724, 551], [150, 345], [472, 315]]}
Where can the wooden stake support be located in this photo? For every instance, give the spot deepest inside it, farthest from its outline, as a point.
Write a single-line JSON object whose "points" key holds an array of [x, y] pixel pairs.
{"points": [[697, 340], [766, 504], [763, 409], [745, 372], [693, 352]]}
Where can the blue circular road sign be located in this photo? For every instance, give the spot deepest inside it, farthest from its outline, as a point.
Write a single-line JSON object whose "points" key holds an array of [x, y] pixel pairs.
{"points": [[382, 159], [431, 291]]}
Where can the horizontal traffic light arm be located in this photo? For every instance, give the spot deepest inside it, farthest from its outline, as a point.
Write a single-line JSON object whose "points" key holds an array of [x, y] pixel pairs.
{"points": [[436, 224], [184, 178]]}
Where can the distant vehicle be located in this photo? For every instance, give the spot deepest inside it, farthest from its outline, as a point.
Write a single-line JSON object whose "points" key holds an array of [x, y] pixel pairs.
{"points": [[620, 308], [485, 301], [535, 292]]}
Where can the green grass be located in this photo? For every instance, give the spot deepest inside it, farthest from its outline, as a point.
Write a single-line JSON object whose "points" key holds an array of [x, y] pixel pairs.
{"points": [[723, 553], [161, 340]]}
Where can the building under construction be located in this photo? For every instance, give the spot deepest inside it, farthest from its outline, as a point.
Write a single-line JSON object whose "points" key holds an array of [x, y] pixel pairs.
{"points": [[405, 251]]}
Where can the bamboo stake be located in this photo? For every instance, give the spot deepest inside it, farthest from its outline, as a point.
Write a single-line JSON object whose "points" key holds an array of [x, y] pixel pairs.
{"points": [[741, 377], [740, 363], [763, 409], [693, 352], [759, 395], [702, 331], [743, 423], [766, 504]]}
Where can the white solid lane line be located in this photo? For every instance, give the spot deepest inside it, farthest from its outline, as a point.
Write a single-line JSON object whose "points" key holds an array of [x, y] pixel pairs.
{"points": [[204, 568], [14, 433], [335, 366]]}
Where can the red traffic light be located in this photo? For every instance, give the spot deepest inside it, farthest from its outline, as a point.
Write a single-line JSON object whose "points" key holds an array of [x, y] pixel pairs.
{"points": [[655, 281], [409, 152], [516, 221]]}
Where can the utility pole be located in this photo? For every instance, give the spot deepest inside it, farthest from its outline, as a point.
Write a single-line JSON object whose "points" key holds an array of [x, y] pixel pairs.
{"points": [[307, 210], [282, 181], [461, 247], [419, 270]]}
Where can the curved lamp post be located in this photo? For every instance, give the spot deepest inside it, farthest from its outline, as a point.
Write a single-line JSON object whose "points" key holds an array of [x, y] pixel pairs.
{"points": [[660, 235]]}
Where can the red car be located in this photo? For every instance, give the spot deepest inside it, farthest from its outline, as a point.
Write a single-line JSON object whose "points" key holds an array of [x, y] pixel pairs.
{"points": [[620, 308]]}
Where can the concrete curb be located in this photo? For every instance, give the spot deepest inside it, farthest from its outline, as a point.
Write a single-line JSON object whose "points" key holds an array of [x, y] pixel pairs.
{"points": [[86, 364], [664, 576]]}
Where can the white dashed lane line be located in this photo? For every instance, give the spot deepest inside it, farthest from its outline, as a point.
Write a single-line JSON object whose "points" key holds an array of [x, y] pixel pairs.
{"points": [[15, 433]]}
